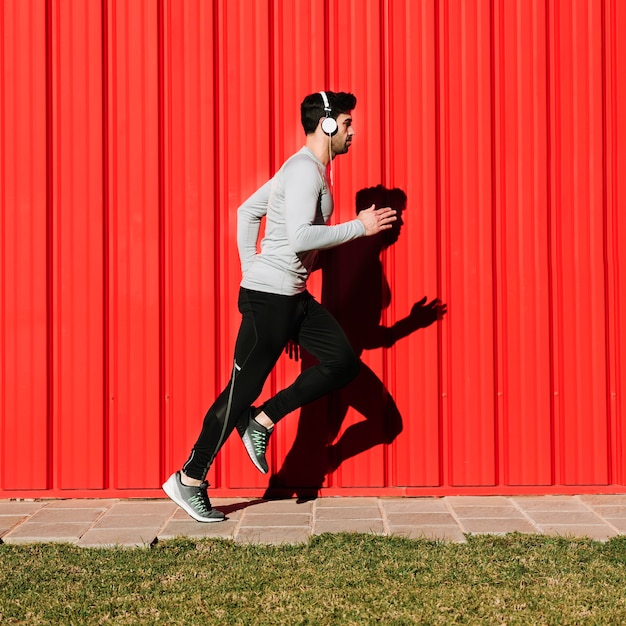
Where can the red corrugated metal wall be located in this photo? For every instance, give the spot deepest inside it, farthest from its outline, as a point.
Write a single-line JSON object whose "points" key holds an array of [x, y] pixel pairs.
{"points": [[132, 130]]}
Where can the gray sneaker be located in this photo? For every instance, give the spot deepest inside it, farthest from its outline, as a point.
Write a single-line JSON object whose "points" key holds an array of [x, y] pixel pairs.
{"points": [[255, 437], [193, 500]]}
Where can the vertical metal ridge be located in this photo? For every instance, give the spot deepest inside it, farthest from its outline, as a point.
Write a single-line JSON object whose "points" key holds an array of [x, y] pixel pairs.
{"points": [[555, 248], [272, 79], [218, 168], [556, 473], [388, 262], [3, 263], [106, 332], [611, 233], [49, 248], [161, 232], [327, 23], [438, 243], [618, 315], [605, 246], [389, 257], [497, 408], [112, 245], [620, 381], [444, 470], [166, 251], [385, 123]]}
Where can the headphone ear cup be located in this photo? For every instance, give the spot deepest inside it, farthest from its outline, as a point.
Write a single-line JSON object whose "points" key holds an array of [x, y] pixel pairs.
{"points": [[329, 125]]}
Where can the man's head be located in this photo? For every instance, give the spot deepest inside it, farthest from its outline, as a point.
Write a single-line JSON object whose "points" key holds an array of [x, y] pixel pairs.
{"points": [[338, 106], [313, 111]]}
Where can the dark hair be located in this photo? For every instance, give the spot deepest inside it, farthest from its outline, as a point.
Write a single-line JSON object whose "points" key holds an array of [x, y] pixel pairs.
{"points": [[381, 197], [312, 108]]}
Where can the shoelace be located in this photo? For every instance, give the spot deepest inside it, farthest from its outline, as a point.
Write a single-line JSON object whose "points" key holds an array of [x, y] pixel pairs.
{"points": [[259, 441], [201, 503]]}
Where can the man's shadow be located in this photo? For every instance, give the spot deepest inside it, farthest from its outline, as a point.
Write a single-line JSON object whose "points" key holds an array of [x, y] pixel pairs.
{"points": [[356, 291]]}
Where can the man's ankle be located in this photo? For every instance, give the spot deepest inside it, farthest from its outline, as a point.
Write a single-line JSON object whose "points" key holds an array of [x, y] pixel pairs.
{"points": [[264, 420], [188, 481]]}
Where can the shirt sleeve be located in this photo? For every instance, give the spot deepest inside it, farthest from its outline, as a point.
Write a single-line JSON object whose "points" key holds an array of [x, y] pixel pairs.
{"points": [[306, 230], [249, 216]]}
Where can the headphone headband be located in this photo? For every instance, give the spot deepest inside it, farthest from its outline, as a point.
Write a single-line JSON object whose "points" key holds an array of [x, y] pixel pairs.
{"points": [[325, 101], [329, 125]]}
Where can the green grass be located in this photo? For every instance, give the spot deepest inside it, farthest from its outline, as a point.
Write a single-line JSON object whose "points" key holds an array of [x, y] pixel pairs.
{"points": [[334, 579]]}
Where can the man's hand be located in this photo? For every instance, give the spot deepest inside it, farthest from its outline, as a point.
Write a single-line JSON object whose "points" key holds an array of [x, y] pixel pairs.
{"points": [[376, 220]]}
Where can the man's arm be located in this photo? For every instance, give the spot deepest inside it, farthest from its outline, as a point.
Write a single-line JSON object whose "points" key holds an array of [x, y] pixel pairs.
{"points": [[249, 216], [303, 185]]}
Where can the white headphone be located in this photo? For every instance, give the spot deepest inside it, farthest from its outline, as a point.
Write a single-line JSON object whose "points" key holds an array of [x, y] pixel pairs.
{"points": [[329, 124]]}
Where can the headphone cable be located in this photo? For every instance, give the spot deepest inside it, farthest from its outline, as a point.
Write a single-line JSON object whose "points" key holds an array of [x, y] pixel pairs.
{"points": [[330, 161]]}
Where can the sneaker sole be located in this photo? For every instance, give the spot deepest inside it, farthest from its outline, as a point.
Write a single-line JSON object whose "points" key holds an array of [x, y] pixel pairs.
{"points": [[172, 495], [247, 442]]}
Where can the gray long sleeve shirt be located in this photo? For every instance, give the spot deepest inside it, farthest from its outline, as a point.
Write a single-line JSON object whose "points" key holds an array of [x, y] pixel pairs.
{"points": [[297, 205]]}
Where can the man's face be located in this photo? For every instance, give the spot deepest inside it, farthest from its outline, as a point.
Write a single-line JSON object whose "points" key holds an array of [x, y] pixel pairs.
{"points": [[341, 140]]}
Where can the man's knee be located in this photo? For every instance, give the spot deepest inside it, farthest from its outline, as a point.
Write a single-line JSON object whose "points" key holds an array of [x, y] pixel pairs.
{"points": [[347, 369]]}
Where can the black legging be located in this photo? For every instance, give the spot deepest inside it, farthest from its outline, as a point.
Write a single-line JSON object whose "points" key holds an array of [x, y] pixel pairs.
{"points": [[268, 322]]}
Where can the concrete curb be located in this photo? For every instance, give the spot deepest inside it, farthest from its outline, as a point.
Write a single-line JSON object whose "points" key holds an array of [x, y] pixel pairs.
{"points": [[96, 523]]}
